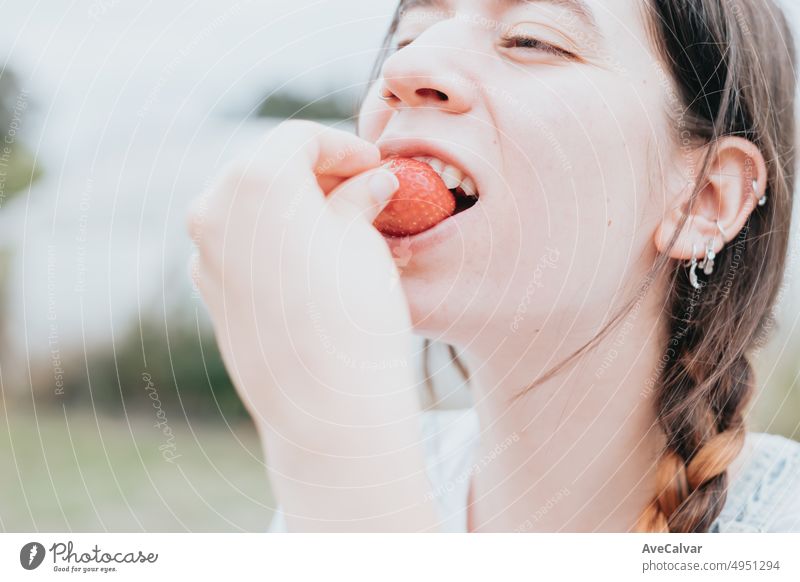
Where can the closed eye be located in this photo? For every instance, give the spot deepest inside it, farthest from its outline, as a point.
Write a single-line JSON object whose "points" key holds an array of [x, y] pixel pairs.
{"points": [[534, 44]]}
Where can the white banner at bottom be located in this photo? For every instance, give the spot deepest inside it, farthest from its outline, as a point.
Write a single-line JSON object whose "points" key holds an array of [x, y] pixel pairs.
{"points": [[406, 557]]}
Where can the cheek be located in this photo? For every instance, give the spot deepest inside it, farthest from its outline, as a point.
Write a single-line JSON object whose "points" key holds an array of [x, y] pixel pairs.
{"points": [[579, 187]]}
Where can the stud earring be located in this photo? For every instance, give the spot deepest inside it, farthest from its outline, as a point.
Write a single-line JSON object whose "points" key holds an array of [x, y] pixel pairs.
{"points": [[763, 200]]}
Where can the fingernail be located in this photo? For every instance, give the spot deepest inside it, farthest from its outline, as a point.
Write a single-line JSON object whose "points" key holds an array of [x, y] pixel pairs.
{"points": [[382, 185]]}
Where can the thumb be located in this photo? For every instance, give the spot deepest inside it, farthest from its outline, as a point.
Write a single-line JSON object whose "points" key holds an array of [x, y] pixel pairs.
{"points": [[364, 195]]}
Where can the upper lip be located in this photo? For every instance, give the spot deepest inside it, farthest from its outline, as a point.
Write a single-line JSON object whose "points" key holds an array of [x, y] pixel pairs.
{"points": [[409, 148]]}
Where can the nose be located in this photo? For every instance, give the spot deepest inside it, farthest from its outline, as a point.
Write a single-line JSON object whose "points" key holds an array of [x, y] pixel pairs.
{"points": [[425, 77]]}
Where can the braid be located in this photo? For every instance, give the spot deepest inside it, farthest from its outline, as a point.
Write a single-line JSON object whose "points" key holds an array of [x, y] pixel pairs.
{"points": [[705, 387], [707, 379]]}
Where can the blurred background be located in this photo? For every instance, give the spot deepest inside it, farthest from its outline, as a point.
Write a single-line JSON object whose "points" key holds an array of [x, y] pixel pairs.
{"points": [[116, 411]]}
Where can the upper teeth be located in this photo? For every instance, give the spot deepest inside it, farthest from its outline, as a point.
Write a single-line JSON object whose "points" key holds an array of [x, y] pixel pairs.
{"points": [[452, 176]]}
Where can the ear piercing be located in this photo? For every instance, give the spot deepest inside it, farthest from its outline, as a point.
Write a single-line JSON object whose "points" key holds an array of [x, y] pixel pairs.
{"points": [[693, 270], [763, 200], [722, 232], [707, 264]]}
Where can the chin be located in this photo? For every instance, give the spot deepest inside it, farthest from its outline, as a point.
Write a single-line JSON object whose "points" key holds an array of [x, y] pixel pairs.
{"points": [[443, 310], [426, 304]]}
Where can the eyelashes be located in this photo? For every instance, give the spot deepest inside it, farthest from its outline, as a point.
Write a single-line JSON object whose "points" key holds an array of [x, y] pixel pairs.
{"points": [[534, 44], [522, 42]]}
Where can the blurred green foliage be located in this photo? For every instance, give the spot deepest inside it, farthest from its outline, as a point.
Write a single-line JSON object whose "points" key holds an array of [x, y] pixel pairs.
{"points": [[284, 105], [171, 359], [20, 172], [776, 405], [18, 169], [76, 470]]}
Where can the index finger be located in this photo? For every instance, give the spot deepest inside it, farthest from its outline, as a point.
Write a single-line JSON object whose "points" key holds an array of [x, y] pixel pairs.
{"points": [[325, 151]]}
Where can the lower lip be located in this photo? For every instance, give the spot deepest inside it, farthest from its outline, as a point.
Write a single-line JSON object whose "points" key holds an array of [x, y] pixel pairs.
{"points": [[432, 237]]}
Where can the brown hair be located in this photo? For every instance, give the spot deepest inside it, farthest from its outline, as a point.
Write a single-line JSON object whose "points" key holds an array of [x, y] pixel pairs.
{"points": [[732, 65]]}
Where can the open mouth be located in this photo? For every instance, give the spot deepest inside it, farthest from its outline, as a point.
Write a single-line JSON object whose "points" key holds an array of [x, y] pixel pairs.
{"points": [[457, 181]]}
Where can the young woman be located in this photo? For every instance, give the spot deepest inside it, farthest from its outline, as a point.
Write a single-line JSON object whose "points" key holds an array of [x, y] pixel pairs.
{"points": [[633, 166]]}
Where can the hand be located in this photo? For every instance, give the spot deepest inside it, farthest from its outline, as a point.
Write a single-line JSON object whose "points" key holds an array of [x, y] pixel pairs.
{"points": [[313, 331], [293, 273]]}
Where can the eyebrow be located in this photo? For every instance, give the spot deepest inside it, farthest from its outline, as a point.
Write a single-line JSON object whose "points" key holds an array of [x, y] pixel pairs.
{"points": [[577, 7]]}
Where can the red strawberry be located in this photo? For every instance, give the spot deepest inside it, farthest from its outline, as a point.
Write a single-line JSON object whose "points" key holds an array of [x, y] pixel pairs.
{"points": [[421, 202]]}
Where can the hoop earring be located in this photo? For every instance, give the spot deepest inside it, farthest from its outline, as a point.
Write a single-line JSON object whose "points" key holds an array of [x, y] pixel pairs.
{"points": [[722, 232], [693, 270], [707, 264], [761, 201]]}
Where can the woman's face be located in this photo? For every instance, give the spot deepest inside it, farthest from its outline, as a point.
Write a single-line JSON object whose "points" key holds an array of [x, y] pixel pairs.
{"points": [[558, 110]]}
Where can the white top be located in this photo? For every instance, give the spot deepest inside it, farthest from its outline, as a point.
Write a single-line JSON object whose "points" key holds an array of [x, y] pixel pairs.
{"points": [[765, 495]]}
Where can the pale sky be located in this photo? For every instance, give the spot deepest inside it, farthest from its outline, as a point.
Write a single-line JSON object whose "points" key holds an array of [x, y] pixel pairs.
{"points": [[131, 50]]}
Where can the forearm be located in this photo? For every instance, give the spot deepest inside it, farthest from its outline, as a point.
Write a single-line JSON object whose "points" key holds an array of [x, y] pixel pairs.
{"points": [[334, 477]]}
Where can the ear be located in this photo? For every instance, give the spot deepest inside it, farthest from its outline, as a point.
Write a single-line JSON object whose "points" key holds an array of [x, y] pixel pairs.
{"points": [[736, 180]]}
